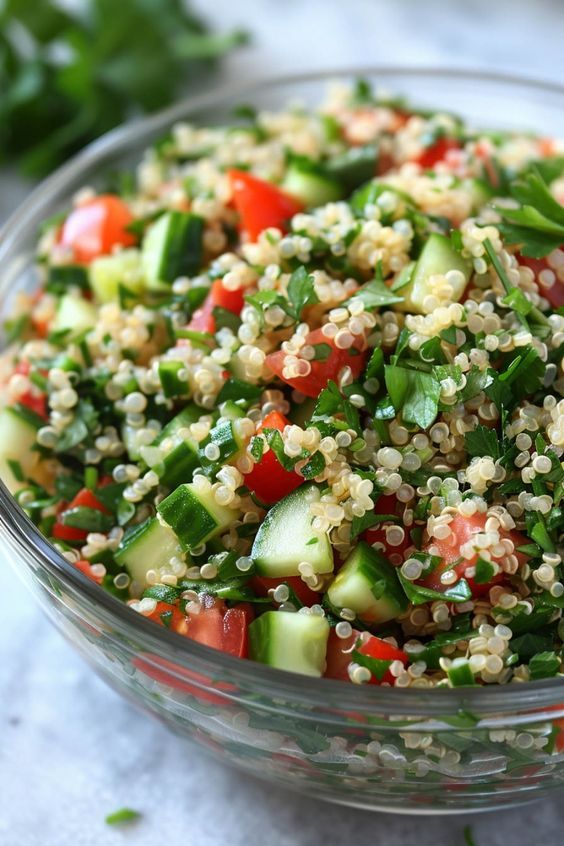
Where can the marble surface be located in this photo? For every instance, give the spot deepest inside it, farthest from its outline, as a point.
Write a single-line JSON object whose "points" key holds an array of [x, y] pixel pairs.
{"points": [[71, 750]]}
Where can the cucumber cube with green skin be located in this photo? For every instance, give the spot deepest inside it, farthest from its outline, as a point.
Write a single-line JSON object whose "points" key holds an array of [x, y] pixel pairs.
{"points": [[149, 547], [107, 273], [438, 256], [194, 516], [368, 584], [179, 465], [191, 413], [290, 641], [231, 411], [172, 385], [286, 538], [18, 434], [224, 436], [172, 247], [310, 186], [75, 315]]}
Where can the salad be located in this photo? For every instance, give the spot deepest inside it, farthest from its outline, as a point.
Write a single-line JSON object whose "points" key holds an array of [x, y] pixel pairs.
{"points": [[293, 389]]}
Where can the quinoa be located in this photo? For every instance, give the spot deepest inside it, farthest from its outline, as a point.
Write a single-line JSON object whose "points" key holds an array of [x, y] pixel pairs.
{"points": [[347, 319]]}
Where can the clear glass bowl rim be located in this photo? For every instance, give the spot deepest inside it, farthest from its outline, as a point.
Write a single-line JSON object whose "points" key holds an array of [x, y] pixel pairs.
{"points": [[300, 690]]}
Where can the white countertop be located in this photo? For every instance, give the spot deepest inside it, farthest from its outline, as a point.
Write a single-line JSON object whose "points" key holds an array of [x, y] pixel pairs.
{"points": [[72, 751]]}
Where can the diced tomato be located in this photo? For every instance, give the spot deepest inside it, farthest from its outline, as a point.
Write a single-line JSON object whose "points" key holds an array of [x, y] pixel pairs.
{"points": [[322, 370], [339, 655], [268, 479], [224, 298], [170, 616], [94, 228], [375, 647], [462, 530], [86, 568], [221, 628], [261, 204], [436, 152], [203, 320], [554, 294], [35, 402], [84, 499], [388, 504], [261, 585]]}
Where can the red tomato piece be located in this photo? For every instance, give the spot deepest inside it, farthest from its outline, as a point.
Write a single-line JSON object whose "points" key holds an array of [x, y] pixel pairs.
{"points": [[36, 402], [375, 647], [84, 499], [94, 228], [339, 655], [224, 298], [462, 530], [321, 370], [389, 504], [221, 628], [436, 152], [170, 616], [86, 568], [261, 204], [203, 320], [268, 479], [555, 294], [261, 585]]}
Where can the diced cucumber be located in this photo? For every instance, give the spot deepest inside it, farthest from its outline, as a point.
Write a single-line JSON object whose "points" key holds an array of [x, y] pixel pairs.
{"points": [[182, 459], [354, 166], [107, 273], [368, 584], [286, 538], [403, 278], [290, 641], [149, 547], [231, 410], [224, 436], [75, 315], [179, 465], [191, 413], [172, 385], [437, 257], [18, 433], [310, 185], [172, 247], [195, 517]]}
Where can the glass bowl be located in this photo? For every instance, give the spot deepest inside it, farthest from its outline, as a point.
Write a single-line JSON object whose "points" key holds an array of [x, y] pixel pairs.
{"points": [[386, 749]]}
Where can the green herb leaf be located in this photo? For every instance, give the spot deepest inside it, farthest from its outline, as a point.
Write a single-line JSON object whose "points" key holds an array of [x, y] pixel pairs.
{"points": [[124, 815], [375, 294], [413, 393], [419, 595], [482, 441], [301, 291], [544, 665]]}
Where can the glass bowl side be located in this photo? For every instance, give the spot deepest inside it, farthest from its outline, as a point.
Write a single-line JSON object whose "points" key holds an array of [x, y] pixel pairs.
{"points": [[408, 750]]}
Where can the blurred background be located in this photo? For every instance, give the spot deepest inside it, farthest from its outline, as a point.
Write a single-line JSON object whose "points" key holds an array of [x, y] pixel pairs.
{"points": [[71, 750]]}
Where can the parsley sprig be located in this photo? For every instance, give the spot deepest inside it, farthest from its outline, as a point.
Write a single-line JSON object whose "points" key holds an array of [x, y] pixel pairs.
{"points": [[537, 224], [67, 76]]}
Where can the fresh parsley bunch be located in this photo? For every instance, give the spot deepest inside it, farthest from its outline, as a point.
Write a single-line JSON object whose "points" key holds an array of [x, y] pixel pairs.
{"points": [[68, 76]]}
